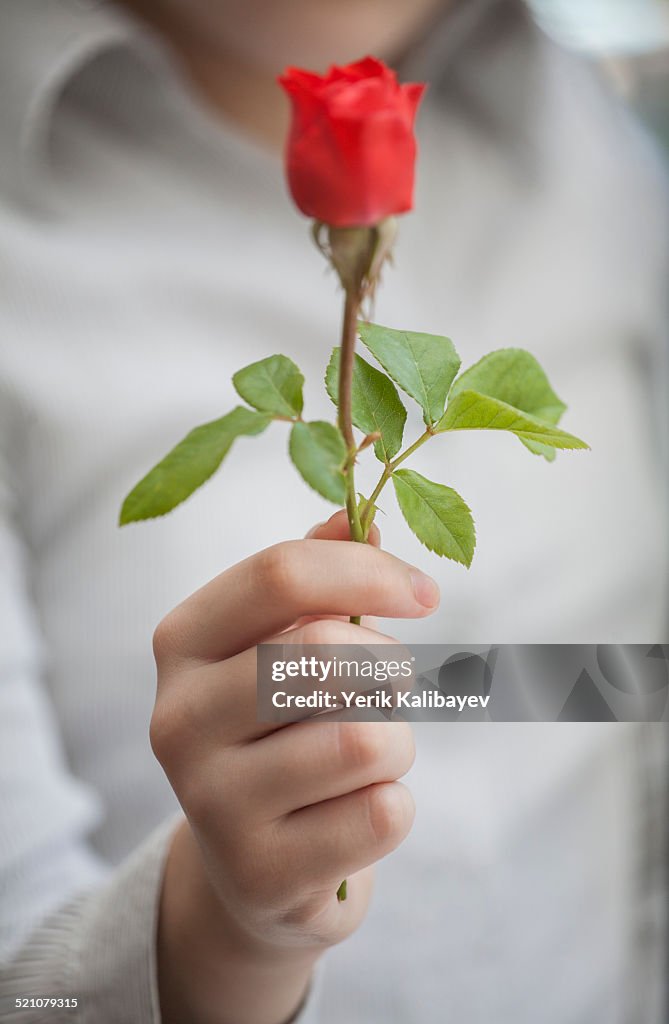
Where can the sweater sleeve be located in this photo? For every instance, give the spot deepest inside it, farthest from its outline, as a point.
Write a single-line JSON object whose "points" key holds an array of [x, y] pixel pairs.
{"points": [[97, 951]]}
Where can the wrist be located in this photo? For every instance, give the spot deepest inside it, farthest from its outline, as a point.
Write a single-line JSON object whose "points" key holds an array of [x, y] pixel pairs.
{"points": [[210, 970]]}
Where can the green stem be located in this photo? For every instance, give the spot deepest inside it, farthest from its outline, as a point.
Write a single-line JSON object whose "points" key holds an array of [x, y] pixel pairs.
{"points": [[429, 432], [367, 515], [346, 363]]}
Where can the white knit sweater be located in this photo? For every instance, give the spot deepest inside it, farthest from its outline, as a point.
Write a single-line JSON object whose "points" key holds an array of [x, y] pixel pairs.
{"points": [[147, 253]]}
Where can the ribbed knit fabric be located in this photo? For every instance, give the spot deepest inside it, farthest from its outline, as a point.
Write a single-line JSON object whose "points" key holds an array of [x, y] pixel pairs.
{"points": [[148, 252], [99, 949]]}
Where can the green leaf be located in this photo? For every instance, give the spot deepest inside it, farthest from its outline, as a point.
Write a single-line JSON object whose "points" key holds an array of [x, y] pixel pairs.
{"points": [[473, 411], [423, 365], [540, 449], [319, 453], [362, 504], [437, 515], [189, 464], [514, 376], [272, 385], [362, 501], [375, 404]]}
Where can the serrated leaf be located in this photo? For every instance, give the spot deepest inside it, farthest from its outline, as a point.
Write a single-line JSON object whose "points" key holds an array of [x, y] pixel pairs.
{"points": [[423, 365], [319, 453], [375, 404], [514, 376], [473, 411], [438, 516], [362, 504], [189, 464], [540, 449], [362, 501], [271, 385]]}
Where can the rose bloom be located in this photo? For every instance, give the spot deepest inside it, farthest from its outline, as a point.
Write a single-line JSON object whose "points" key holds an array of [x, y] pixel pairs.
{"points": [[351, 149]]}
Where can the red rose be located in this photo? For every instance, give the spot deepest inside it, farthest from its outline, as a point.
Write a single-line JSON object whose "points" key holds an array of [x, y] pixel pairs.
{"points": [[351, 150]]}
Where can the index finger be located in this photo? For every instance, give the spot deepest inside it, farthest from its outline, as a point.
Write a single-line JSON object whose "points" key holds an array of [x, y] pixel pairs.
{"points": [[267, 592]]}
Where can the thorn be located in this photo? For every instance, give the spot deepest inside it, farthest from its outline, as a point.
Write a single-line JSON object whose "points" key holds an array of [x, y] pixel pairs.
{"points": [[369, 439]]}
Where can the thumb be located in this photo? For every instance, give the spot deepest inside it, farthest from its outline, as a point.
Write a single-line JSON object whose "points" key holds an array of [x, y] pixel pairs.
{"points": [[336, 528]]}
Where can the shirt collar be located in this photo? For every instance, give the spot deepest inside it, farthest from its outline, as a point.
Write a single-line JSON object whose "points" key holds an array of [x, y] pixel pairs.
{"points": [[42, 45]]}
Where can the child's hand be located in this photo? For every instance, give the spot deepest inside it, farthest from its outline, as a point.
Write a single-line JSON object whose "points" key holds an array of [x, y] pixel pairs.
{"points": [[277, 816]]}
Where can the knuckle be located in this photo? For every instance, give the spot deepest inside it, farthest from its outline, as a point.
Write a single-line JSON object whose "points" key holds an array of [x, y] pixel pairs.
{"points": [[166, 638], [322, 632], [178, 729], [279, 570], [390, 811], [164, 730], [362, 745]]}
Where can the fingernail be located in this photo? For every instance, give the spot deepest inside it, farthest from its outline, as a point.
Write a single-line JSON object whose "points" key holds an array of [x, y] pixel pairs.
{"points": [[314, 530], [425, 589]]}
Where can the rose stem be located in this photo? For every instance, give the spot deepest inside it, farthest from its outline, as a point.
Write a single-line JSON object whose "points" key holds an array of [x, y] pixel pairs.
{"points": [[346, 360]]}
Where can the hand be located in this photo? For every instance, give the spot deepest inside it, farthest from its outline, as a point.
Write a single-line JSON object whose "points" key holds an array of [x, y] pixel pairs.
{"points": [[276, 816]]}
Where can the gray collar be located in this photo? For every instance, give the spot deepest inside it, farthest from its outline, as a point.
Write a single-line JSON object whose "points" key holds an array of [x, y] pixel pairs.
{"points": [[44, 43]]}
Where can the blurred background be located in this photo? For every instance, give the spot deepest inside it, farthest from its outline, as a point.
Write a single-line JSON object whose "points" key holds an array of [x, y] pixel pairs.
{"points": [[628, 39]]}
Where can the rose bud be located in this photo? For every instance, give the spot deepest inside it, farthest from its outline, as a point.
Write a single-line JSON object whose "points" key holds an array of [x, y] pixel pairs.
{"points": [[351, 149]]}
